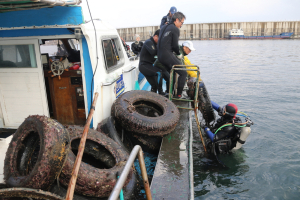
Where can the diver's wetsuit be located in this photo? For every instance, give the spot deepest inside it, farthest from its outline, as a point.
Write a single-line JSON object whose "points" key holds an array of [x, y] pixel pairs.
{"points": [[167, 44], [229, 133], [149, 50]]}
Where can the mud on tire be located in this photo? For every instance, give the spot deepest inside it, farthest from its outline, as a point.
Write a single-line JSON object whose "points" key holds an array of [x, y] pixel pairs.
{"points": [[102, 159], [144, 112], [36, 153]]}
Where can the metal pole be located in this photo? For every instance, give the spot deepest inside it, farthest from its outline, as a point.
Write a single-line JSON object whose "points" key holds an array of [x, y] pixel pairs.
{"points": [[137, 150], [77, 163], [144, 175]]}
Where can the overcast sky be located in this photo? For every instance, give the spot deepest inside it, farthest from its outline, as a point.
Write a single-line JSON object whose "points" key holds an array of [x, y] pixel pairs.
{"points": [[138, 13]]}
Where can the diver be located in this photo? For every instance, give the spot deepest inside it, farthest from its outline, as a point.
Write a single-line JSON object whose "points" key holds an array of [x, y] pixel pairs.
{"points": [[227, 132]]}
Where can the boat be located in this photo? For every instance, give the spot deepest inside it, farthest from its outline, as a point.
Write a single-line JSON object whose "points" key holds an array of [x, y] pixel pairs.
{"points": [[239, 34], [52, 63]]}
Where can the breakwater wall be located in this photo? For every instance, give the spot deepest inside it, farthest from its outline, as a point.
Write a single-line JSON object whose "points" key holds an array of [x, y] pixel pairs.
{"points": [[215, 31]]}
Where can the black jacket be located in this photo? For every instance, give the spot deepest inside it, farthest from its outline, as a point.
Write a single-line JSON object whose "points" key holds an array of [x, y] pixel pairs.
{"points": [[164, 20], [148, 52], [168, 39], [136, 48]]}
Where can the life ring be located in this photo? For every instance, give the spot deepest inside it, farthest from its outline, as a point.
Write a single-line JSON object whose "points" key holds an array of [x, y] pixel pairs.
{"points": [[36, 153], [108, 127], [103, 158], [146, 113]]}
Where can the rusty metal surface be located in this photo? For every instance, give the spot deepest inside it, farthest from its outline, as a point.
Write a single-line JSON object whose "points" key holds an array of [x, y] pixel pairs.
{"points": [[171, 175], [29, 193]]}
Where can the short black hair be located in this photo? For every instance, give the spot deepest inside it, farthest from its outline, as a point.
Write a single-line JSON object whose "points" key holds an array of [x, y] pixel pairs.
{"points": [[157, 32], [178, 15]]}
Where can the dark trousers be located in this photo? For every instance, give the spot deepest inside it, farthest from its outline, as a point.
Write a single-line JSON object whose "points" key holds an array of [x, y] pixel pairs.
{"points": [[168, 59], [150, 73]]}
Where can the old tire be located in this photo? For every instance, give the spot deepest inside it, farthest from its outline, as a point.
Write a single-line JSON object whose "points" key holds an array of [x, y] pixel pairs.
{"points": [[20, 193], [144, 112], [103, 158], [108, 127], [36, 153], [150, 144], [205, 106]]}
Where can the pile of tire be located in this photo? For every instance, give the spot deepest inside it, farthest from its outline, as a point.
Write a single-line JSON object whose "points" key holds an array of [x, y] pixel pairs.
{"points": [[144, 118], [42, 151]]}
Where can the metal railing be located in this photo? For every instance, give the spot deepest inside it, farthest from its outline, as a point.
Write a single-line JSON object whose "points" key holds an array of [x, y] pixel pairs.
{"points": [[195, 100], [136, 151]]}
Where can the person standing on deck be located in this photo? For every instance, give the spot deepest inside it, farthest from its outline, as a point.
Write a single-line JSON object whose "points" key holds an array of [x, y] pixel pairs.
{"points": [[136, 47], [167, 44], [185, 49], [166, 19], [147, 59]]}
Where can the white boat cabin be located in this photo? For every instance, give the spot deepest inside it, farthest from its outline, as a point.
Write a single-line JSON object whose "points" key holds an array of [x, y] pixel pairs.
{"points": [[236, 32], [36, 48]]}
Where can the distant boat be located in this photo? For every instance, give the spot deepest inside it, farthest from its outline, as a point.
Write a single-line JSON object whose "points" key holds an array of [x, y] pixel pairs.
{"points": [[239, 34]]}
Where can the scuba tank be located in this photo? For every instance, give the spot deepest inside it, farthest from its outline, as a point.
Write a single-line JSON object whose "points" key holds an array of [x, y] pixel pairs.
{"points": [[245, 132]]}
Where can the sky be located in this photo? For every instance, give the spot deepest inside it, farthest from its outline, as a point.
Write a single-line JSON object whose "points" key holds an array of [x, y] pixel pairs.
{"points": [[139, 13]]}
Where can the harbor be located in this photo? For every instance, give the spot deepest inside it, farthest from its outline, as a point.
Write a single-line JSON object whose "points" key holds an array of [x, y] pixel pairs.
{"points": [[216, 31]]}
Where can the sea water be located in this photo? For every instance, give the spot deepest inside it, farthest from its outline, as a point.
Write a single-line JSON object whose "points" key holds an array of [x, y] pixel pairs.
{"points": [[262, 77]]}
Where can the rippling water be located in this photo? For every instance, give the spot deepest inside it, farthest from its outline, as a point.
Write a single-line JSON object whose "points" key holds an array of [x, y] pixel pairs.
{"points": [[262, 78]]}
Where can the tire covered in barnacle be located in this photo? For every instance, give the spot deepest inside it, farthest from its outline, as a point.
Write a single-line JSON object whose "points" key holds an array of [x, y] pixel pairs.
{"points": [[108, 127], [102, 159], [204, 105], [146, 113], [130, 192], [36, 153], [27, 193]]}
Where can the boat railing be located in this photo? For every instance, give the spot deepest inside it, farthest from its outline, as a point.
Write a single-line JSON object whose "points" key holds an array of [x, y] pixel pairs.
{"points": [[136, 151]]}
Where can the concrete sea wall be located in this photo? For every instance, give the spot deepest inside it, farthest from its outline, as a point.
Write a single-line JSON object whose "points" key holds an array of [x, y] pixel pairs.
{"points": [[214, 31]]}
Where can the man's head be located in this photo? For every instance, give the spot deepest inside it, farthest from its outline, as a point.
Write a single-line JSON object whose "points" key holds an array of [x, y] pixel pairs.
{"points": [[137, 37], [155, 36], [230, 110], [188, 47], [172, 11], [178, 19]]}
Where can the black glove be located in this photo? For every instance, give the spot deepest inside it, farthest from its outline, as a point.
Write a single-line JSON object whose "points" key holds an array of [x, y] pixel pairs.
{"points": [[203, 125], [220, 111]]}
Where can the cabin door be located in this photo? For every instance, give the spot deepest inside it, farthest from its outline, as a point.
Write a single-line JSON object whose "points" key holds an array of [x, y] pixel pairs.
{"points": [[22, 88]]}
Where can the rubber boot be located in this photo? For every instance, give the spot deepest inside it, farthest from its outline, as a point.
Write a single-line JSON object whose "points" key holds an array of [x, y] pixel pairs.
{"points": [[155, 85]]}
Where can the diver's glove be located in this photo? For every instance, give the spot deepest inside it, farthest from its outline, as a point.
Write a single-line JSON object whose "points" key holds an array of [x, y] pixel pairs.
{"points": [[221, 111]]}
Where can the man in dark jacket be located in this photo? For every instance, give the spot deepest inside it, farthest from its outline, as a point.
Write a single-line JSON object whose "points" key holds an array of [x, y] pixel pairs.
{"points": [[147, 59], [166, 19], [167, 44], [136, 47]]}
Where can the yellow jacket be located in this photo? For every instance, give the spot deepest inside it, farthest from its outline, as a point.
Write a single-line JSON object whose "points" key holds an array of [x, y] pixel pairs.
{"points": [[190, 73]]}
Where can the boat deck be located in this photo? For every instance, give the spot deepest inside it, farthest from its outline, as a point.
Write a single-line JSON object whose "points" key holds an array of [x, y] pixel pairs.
{"points": [[171, 179]]}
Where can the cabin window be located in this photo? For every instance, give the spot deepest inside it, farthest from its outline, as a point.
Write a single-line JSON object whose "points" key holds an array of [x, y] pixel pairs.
{"points": [[22, 56], [112, 53]]}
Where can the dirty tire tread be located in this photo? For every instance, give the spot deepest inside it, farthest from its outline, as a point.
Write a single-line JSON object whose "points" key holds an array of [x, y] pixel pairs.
{"points": [[135, 122], [92, 181], [205, 106], [54, 143], [12, 193]]}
